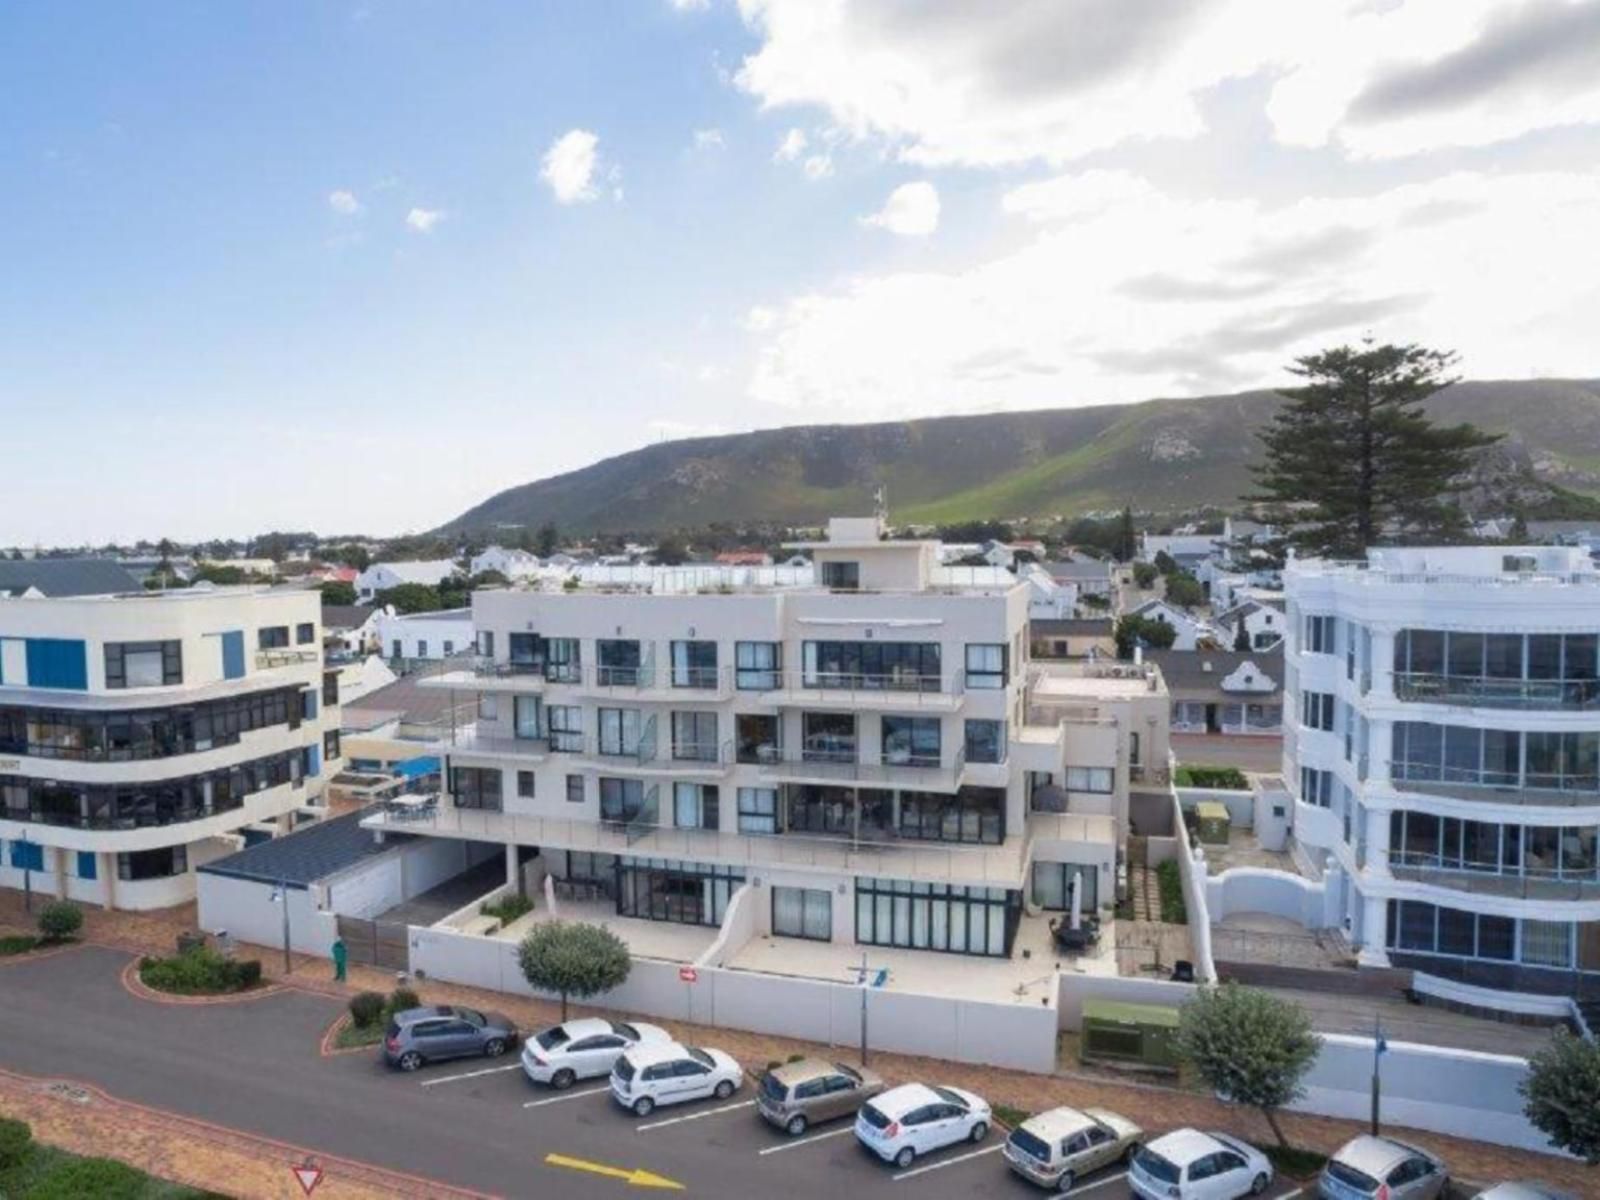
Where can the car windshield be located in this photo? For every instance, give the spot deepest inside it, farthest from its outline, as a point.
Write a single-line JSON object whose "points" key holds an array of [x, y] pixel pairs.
{"points": [[853, 1074], [472, 1016], [945, 1093], [1030, 1144], [772, 1089], [1346, 1174], [1160, 1169], [551, 1038], [623, 1069], [874, 1117], [622, 1029], [701, 1057]]}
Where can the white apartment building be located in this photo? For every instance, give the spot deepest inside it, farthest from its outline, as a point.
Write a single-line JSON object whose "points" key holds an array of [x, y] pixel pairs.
{"points": [[142, 735], [872, 753], [1442, 742]]}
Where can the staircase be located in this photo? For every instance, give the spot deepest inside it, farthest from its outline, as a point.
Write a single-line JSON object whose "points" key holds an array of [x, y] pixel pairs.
{"points": [[1146, 894]]}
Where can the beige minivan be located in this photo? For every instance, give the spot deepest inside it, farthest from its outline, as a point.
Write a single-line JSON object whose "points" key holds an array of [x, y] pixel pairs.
{"points": [[800, 1094]]}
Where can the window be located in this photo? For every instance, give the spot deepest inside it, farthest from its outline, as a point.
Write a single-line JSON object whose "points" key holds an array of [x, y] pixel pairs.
{"points": [[619, 662], [986, 741], [758, 810], [1091, 779], [304, 633], [566, 727], [526, 650], [308, 705], [574, 789], [932, 916], [476, 787], [525, 784], [1053, 885], [694, 806], [1316, 710], [449, 647], [828, 737], [622, 799], [589, 867], [668, 890], [486, 642], [974, 814], [88, 867], [694, 736], [27, 856], [563, 660], [1316, 787], [619, 730], [144, 664], [841, 576], [694, 664], [525, 717], [1320, 635], [758, 666], [396, 649], [986, 666], [330, 745], [756, 738], [152, 864], [879, 666], [911, 741], [488, 706], [272, 637], [802, 913], [330, 688], [422, 648]]}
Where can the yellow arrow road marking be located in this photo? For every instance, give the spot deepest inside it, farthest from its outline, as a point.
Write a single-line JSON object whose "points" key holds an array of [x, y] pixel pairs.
{"points": [[634, 1178]]}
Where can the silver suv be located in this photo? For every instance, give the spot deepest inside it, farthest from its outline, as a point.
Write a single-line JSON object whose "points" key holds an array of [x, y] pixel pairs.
{"points": [[423, 1035]]}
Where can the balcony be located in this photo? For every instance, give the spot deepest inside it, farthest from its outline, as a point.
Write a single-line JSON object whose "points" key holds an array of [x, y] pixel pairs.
{"points": [[841, 764], [1565, 695], [1483, 787], [989, 866], [836, 690], [523, 749], [268, 660], [1419, 869]]}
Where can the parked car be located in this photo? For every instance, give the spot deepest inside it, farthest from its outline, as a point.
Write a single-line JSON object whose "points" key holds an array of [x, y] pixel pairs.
{"points": [[654, 1073], [800, 1094], [914, 1119], [423, 1035], [1522, 1189], [1366, 1167], [1189, 1165], [583, 1049], [1056, 1148]]}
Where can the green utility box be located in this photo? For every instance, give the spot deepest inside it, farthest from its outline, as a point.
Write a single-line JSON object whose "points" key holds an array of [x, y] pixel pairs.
{"points": [[1137, 1035], [1213, 816]]}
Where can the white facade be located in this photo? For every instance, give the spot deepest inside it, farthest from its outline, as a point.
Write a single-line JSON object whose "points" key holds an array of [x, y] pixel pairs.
{"points": [[382, 576], [1263, 625], [1442, 744], [425, 636], [140, 734], [512, 563], [833, 747], [1187, 629]]}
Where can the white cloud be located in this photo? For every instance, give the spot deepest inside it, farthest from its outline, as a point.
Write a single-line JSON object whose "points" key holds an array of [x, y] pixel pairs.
{"points": [[1121, 291], [759, 319], [708, 139], [569, 166], [344, 203], [817, 166], [690, 5], [711, 373], [912, 210], [1015, 81], [422, 220], [792, 146]]}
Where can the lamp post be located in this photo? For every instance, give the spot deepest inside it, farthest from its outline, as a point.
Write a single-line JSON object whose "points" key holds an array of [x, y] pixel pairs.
{"points": [[280, 894]]}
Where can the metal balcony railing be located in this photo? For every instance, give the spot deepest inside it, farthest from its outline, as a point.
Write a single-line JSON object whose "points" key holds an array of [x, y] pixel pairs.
{"points": [[1494, 787], [903, 688], [831, 760], [1560, 885], [1474, 691], [268, 659]]}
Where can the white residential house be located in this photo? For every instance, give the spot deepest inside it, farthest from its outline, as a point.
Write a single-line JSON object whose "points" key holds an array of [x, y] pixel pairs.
{"points": [[1086, 576], [380, 577], [1223, 692], [1048, 599], [423, 637], [1444, 761], [1188, 628], [143, 735], [1263, 624], [350, 630], [512, 563]]}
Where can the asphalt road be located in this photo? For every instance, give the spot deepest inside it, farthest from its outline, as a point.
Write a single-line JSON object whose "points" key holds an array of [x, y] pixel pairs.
{"points": [[473, 1123]]}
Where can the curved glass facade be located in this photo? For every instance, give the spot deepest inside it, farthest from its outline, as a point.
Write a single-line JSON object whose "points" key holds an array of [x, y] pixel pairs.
{"points": [[144, 733]]}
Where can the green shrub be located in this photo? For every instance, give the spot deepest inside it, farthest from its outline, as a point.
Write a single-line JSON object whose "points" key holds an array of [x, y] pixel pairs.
{"points": [[15, 1140], [1198, 775], [198, 972], [508, 908], [17, 943], [403, 998], [247, 973], [60, 920], [366, 1008], [89, 1179], [1170, 882]]}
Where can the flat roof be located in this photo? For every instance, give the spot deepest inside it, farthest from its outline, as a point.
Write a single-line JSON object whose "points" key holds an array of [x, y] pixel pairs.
{"points": [[309, 854]]}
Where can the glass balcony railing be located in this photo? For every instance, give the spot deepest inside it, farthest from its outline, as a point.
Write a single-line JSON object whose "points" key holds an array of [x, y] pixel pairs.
{"points": [[1481, 692]]}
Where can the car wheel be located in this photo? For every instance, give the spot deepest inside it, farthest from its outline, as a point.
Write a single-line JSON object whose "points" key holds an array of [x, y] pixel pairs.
{"points": [[410, 1060], [1065, 1180], [643, 1106], [494, 1047], [562, 1079], [796, 1125], [905, 1157], [979, 1132], [724, 1089], [1258, 1184]]}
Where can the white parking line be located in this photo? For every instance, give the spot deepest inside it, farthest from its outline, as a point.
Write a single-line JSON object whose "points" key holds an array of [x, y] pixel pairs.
{"points": [[710, 1112], [806, 1141], [470, 1075], [567, 1096], [949, 1162], [1291, 1195], [1089, 1187]]}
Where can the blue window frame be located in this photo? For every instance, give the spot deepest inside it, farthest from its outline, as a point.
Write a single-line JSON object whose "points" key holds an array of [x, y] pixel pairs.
{"points": [[58, 663], [86, 865], [27, 856], [233, 654]]}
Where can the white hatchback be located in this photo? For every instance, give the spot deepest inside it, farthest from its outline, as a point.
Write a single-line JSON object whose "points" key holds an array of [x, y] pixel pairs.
{"points": [[583, 1049], [1189, 1165], [655, 1073], [915, 1119]]}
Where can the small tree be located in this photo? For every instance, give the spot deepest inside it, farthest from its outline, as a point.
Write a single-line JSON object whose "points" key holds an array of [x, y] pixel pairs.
{"points": [[59, 921], [336, 591], [1241, 636], [1560, 1092], [573, 960], [411, 598], [548, 540], [1250, 1046], [1145, 576], [1156, 635], [1184, 589]]}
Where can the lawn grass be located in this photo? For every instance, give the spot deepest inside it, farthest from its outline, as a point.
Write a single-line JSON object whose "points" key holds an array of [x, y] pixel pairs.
{"points": [[17, 943], [1293, 1161], [1008, 1116], [353, 1037], [50, 1173], [1170, 885]]}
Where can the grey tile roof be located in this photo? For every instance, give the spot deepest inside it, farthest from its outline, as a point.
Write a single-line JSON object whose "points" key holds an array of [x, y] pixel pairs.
{"points": [[1185, 670], [311, 853], [66, 576], [346, 616], [1078, 570], [413, 704]]}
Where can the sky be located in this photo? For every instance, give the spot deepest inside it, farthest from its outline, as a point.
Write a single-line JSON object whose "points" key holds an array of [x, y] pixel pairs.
{"points": [[353, 267]]}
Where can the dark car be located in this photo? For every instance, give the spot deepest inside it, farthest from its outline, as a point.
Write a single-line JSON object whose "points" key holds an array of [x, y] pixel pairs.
{"points": [[424, 1035]]}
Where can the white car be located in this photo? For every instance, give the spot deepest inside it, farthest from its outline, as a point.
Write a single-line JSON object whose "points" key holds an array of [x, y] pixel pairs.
{"points": [[655, 1073], [916, 1119], [1189, 1165], [583, 1049]]}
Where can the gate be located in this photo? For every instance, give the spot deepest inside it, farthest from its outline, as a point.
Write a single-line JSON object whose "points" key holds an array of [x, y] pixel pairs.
{"points": [[382, 944]]}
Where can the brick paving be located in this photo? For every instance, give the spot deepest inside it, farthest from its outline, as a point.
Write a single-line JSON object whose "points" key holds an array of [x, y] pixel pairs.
{"points": [[1153, 1106]]}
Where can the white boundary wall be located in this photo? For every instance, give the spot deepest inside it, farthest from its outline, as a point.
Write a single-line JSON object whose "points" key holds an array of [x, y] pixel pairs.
{"points": [[1192, 871], [1264, 890]]}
